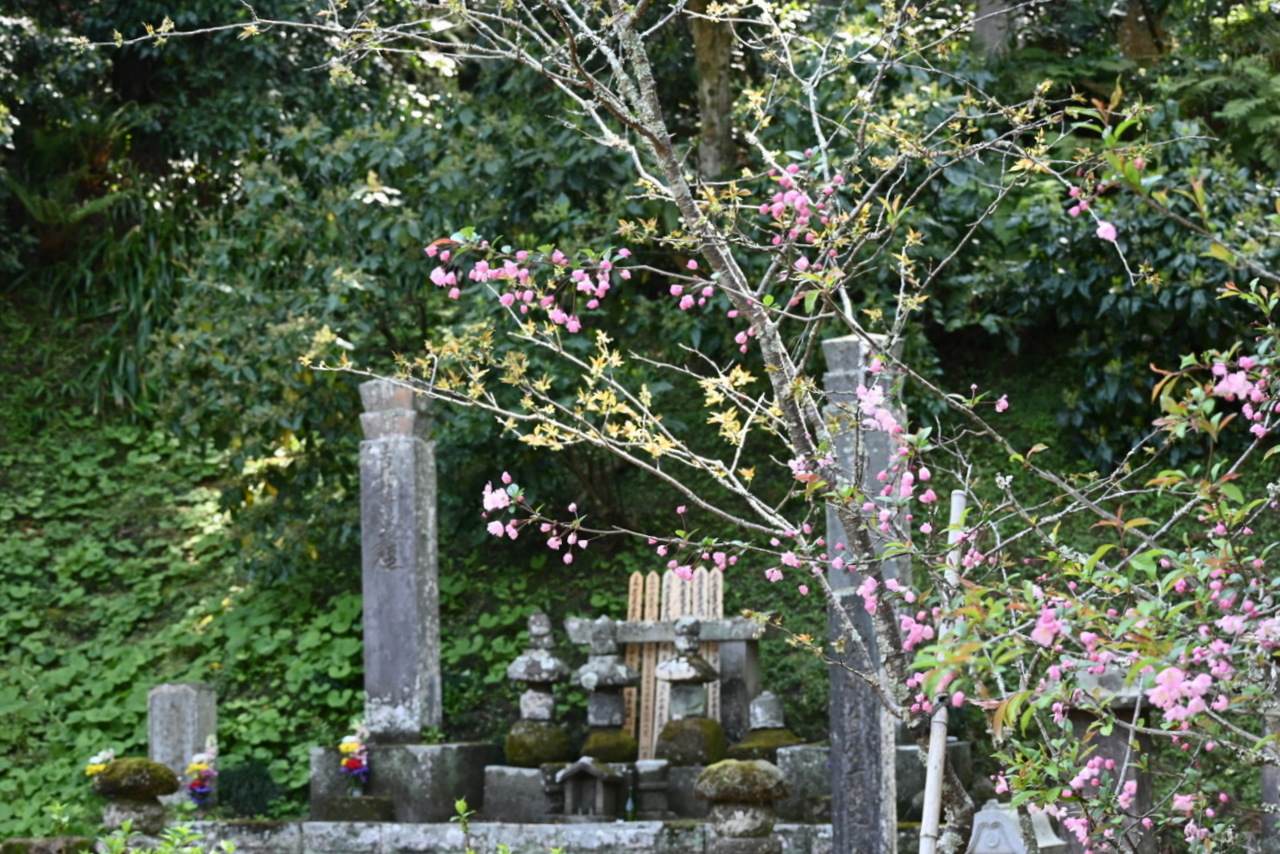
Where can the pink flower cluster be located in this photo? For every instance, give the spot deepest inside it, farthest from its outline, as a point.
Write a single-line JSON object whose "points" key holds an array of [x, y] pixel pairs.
{"points": [[792, 209], [1179, 693], [514, 278]]}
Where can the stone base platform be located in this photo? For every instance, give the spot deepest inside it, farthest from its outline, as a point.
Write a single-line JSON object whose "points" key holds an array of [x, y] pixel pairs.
{"points": [[632, 837], [422, 780]]}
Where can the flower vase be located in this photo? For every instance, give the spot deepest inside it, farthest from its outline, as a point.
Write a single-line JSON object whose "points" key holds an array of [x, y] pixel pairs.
{"points": [[355, 791]]}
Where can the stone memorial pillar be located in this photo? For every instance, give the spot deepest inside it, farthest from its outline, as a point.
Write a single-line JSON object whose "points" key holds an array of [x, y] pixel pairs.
{"points": [[863, 790], [181, 718], [399, 551]]}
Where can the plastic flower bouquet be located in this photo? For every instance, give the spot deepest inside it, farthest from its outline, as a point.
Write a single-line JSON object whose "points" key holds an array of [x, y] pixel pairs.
{"points": [[98, 762], [202, 770], [354, 757]]}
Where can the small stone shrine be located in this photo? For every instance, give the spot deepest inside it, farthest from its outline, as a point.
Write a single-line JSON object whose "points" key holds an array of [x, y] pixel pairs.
{"points": [[593, 790], [605, 675], [536, 738], [768, 731]]}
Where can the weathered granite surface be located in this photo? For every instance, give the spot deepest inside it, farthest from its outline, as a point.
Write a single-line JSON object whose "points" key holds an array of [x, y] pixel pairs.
{"points": [[634, 837]]}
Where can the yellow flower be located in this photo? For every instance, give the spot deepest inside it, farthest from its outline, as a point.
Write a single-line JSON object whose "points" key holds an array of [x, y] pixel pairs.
{"points": [[197, 768], [91, 770], [349, 747]]}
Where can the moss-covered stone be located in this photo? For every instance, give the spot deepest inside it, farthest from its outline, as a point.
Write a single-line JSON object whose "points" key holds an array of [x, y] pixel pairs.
{"points": [[534, 743], [737, 781], [611, 745], [691, 741], [763, 744], [134, 777]]}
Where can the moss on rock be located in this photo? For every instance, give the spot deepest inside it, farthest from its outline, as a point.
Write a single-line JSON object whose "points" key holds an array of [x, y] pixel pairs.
{"points": [[692, 741], [534, 743], [134, 777], [611, 745], [752, 781], [763, 744]]}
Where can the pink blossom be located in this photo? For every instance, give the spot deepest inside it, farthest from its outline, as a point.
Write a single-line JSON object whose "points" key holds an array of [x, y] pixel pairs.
{"points": [[495, 528], [1047, 627], [1003, 403], [495, 499], [1106, 230], [773, 573]]}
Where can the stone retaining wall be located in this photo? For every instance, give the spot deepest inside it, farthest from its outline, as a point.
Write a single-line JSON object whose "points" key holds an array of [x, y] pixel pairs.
{"points": [[635, 837]]}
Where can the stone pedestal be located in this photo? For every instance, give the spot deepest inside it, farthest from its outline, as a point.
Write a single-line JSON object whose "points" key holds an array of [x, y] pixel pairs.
{"points": [[399, 558], [741, 795], [181, 718], [650, 791], [807, 769], [422, 780], [146, 815]]}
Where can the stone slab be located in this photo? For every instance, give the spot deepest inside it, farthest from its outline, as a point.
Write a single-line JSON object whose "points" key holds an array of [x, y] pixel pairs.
{"points": [[657, 631], [516, 795], [680, 797], [181, 717], [807, 769], [254, 837], [637, 837], [424, 780], [338, 837]]}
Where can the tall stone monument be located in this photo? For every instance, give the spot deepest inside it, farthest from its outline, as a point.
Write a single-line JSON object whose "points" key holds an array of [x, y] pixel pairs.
{"points": [[399, 551], [863, 811]]}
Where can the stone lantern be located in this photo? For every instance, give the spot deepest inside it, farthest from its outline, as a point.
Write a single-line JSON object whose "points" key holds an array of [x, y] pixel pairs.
{"points": [[690, 737], [605, 675], [536, 738]]}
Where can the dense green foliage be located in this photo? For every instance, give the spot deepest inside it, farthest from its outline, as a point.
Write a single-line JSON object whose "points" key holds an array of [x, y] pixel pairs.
{"points": [[181, 224]]}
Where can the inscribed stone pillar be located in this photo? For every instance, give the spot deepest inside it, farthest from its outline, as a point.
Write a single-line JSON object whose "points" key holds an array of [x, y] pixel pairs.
{"points": [[863, 789], [399, 557], [181, 717]]}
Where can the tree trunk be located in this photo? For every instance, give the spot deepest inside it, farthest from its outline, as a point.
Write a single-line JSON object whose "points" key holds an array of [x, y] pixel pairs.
{"points": [[991, 27], [713, 51]]}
